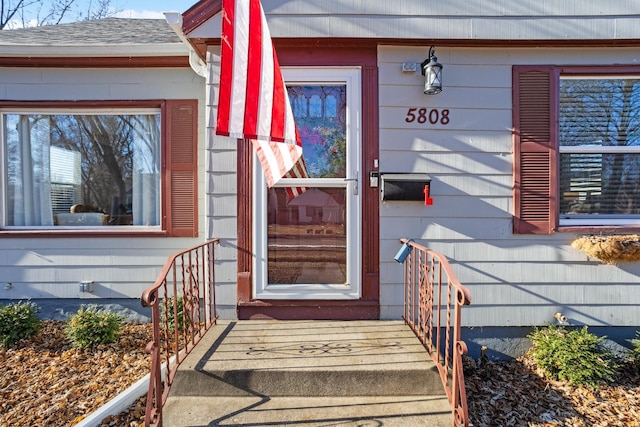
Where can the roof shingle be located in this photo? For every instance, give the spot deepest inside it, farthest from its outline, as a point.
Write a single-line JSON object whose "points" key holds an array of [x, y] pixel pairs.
{"points": [[108, 31]]}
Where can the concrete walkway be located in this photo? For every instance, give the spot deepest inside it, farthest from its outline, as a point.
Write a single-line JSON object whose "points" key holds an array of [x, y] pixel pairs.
{"points": [[308, 373]]}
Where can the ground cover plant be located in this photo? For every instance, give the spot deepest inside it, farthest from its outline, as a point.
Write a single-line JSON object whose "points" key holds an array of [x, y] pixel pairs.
{"points": [[91, 327], [18, 321], [572, 354]]}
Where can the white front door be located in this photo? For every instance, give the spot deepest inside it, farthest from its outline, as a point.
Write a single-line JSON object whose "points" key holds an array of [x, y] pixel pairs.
{"points": [[307, 247]]}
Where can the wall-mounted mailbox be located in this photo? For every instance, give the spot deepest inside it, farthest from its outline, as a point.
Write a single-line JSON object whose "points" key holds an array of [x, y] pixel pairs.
{"points": [[406, 186]]}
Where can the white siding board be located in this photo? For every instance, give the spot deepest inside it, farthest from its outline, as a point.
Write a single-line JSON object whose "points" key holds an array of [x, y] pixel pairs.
{"points": [[444, 140], [451, 8], [226, 251], [89, 76], [222, 160], [446, 163], [222, 143], [45, 92], [468, 28], [460, 207], [141, 91], [447, 228], [393, 294], [223, 227], [455, 97], [222, 183], [226, 294], [221, 205], [516, 251]]}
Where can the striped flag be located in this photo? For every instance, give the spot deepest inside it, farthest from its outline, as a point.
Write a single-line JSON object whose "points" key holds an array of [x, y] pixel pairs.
{"points": [[253, 102]]}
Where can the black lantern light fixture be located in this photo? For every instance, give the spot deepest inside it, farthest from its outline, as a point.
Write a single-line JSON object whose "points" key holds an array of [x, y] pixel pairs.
{"points": [[432, 72]]}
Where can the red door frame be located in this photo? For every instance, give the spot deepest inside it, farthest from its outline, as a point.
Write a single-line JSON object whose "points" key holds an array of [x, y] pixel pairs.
{"points": [[368, 306]]}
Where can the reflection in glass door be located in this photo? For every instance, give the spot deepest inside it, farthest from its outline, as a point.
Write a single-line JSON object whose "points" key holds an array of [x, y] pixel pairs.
{"points": [[309, 249]]}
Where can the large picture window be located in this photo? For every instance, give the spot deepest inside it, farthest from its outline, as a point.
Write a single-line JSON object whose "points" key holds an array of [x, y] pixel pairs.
{"points": [[89, 168], [83, 169], [576, 147], [599, 148]]}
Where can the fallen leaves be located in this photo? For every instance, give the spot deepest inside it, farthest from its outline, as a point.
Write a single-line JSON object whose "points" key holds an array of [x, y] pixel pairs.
{"points": [[515, 393], [46, 382]]}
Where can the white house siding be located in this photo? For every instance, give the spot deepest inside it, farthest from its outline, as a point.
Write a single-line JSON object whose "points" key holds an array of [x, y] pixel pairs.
{"points": [[515, 280], [222, 190], [452, 19], [120, 267]]}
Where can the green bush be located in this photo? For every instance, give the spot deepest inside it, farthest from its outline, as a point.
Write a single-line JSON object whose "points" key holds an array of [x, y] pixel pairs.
{"points": [[635, 350], [91, 327], [171, 316], [575, 355], [18, 321]]}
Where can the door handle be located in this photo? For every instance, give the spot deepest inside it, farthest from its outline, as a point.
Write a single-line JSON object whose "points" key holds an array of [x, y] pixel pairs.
{"points": [[355, 184]]}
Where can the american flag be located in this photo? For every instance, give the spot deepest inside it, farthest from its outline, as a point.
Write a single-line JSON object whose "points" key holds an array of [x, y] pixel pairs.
{"points": [[253, 102]]}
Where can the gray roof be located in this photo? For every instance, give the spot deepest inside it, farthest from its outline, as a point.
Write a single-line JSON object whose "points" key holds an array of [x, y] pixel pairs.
{"points": [[108, 31]]}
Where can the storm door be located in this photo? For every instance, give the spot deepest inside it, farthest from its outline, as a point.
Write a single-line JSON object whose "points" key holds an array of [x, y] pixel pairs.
{"points": [[307, 245]]}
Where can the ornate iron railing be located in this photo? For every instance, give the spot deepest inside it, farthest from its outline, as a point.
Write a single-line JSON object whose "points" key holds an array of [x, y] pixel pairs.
{"points": [[433, 299], [183, 308]]}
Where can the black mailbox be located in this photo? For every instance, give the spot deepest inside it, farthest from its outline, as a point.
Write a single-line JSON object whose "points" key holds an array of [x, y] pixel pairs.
{"points": [[406, 186]]}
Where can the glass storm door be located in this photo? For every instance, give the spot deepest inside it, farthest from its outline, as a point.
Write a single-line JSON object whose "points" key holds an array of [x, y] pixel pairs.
{"points": [[307, 246]]}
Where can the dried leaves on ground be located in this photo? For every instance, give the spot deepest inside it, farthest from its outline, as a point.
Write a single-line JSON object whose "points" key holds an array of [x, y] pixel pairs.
{"points": [[516, 393], [44, 381]]}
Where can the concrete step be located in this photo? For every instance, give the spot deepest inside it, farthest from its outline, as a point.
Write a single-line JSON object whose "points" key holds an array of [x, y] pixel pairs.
{"points": [[387, 411], [305, 358], [308, 373]]}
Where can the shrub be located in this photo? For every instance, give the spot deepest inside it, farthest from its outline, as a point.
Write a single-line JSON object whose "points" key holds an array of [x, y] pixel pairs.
{"points": [[91, 327], [635, 350], [18, 321], [171, 316], [576, 355]]}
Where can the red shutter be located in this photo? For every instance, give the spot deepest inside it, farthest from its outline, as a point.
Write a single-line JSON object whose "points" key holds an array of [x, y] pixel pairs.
{"points": [[181, 170], [535, 135]]}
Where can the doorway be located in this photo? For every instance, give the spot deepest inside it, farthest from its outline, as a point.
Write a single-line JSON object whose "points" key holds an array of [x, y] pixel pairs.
{"points": [[307, 245]]}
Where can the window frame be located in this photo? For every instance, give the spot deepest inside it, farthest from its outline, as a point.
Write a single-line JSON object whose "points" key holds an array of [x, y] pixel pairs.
{"points": [[536, 148], [178, 175]]}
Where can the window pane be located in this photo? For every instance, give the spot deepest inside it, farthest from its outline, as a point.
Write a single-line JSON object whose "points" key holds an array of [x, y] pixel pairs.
{"points": [[82, 169], [320, 113], [307, 237], [599, 132], [599, 112], [600, 184]]}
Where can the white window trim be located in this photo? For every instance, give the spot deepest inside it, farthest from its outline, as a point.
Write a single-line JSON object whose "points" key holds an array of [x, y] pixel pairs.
{"points": [[351, 76]]}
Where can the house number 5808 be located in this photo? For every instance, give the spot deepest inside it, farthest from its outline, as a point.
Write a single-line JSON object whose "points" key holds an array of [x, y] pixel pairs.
{"points": [[424, 115]]}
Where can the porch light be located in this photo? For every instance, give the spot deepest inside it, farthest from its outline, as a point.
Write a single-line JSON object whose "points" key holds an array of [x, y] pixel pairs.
{"points": [[432, 72]]}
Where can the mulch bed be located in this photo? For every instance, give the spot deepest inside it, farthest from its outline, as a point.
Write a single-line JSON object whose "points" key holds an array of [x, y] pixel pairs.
{"points": [[516, 393], [46, 382]]}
